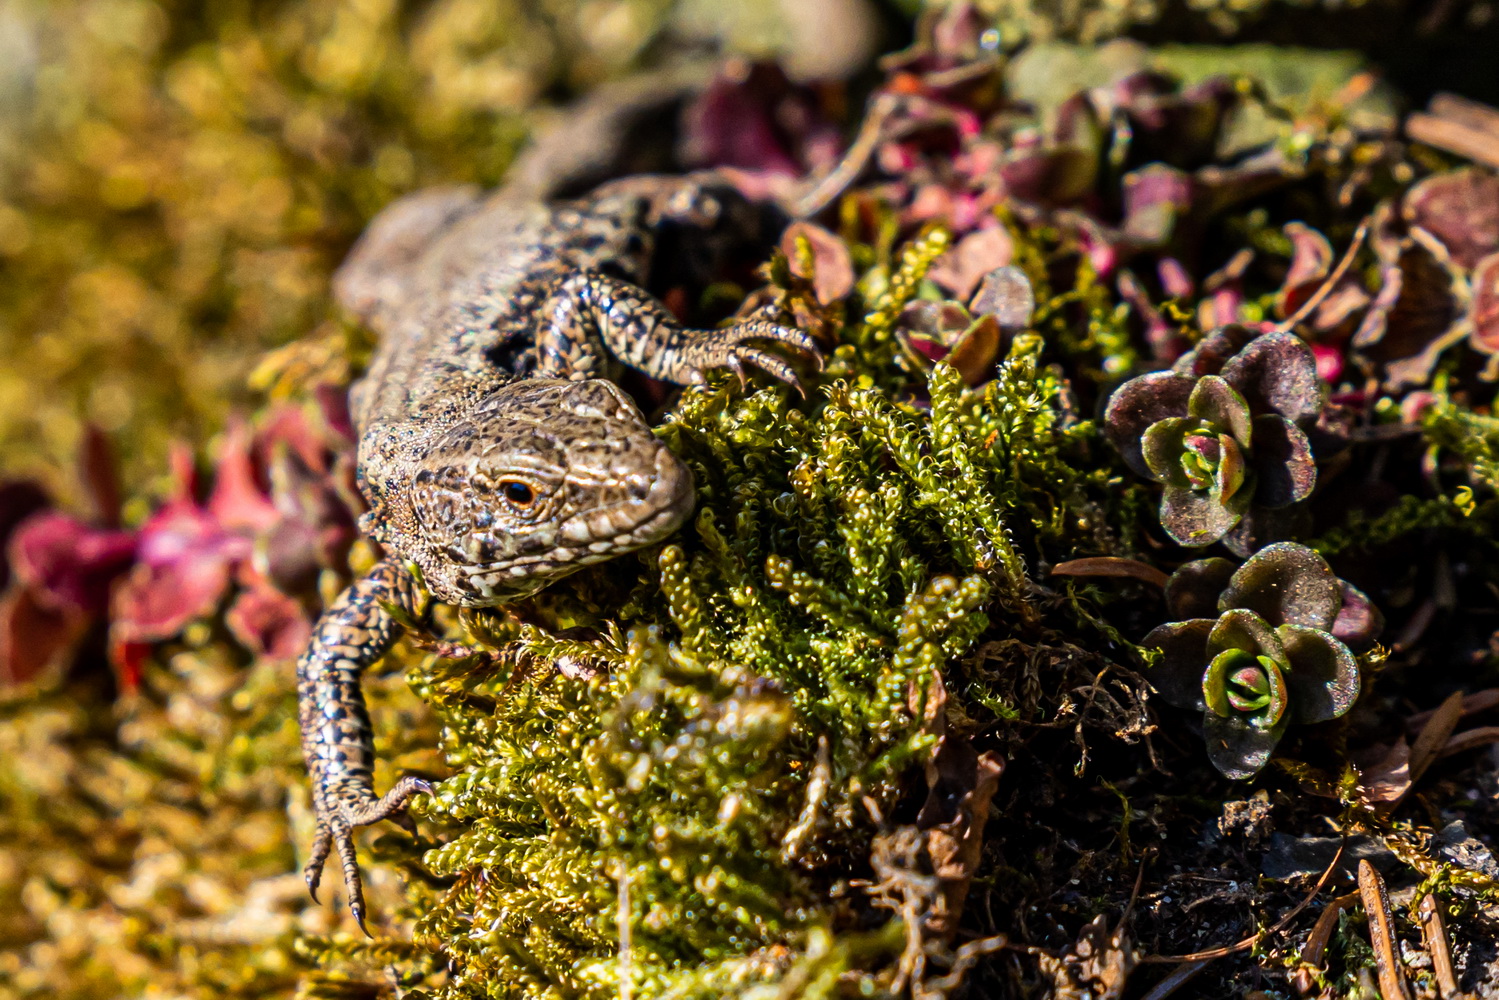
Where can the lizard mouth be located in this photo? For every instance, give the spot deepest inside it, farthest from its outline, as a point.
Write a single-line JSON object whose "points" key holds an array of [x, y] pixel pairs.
{"points": [[645, 513]]}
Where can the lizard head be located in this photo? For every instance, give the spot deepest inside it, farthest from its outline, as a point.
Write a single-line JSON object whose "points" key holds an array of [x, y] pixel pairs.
{"points": [[540, 478]]}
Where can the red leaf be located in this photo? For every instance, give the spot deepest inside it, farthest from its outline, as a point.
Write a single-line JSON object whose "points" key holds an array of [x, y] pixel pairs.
{"points": [[70, 565], [832, 273], [33, 636], [238, 500], [100, 475], [158, 600], [19, 500], [129, 659], [268, 622]]}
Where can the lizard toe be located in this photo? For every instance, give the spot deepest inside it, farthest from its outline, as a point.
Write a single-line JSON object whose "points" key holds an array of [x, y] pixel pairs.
{"points": [[322, 845], [343, 842]]}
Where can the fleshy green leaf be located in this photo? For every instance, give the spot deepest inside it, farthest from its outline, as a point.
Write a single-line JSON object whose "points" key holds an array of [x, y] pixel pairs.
{"points": [[1162, 447], [1240, 629], [1233, 668], [1232, 476], [1217, 402]]}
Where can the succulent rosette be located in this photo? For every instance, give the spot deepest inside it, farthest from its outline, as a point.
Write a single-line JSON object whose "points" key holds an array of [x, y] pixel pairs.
{"points": [[1273, 656], [1223, 432]]}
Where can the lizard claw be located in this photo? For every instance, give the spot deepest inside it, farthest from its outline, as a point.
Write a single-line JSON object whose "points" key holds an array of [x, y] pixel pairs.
{"points": [[337, 833], [728, 348], [736, 365], [322, 844]]}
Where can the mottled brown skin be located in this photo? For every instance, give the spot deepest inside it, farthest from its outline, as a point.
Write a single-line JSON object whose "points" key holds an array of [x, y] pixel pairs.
{"points": [[495, 455]]}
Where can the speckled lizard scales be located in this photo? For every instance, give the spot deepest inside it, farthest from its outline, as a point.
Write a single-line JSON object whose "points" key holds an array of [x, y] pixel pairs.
{"points": [[494, 455]]}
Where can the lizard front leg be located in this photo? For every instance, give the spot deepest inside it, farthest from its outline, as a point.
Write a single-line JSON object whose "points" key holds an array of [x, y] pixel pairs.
{"points": [[336, 739], [589, 312]]}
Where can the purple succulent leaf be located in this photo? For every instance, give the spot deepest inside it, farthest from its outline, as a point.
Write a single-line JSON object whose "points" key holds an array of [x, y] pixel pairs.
{"points": [[971, 260], [1007, 295], [1238, 748], [1324, 675], [1359, 622], [1178, 675], [1195, 518], [1078, 123], [1264, 526], [1277, 373], [1286, 584], [941, 322], [1163, 445], [1217, 402], [1137, 404], [1210, 355], [268, 622], [69, 565], [1050, 176], [1284, 468], [739, 121], [1192, 591], [19, 499], [1243, 629]]}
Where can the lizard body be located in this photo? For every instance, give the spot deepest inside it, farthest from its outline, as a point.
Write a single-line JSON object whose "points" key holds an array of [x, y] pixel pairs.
{"points": [[493, 451]]}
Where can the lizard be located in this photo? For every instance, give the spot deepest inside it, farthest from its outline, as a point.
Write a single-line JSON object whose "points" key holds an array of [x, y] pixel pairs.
{"points": [[493, 450]]}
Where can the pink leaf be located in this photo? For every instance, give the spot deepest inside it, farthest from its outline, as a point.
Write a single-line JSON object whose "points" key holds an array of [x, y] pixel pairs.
{"points": [[70, 565], [832, 272], [268, 622]]}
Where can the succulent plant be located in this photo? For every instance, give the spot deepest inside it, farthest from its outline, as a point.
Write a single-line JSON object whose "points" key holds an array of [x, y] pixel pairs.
{"points": [[1271, 658], [1223, 431]]}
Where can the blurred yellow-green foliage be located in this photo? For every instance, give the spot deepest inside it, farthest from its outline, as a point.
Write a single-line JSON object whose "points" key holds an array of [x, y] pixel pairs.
{"points": [[177, 179]]}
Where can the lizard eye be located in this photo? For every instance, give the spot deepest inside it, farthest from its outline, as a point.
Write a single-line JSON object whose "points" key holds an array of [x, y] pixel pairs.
{"points": [[518, 493]]}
